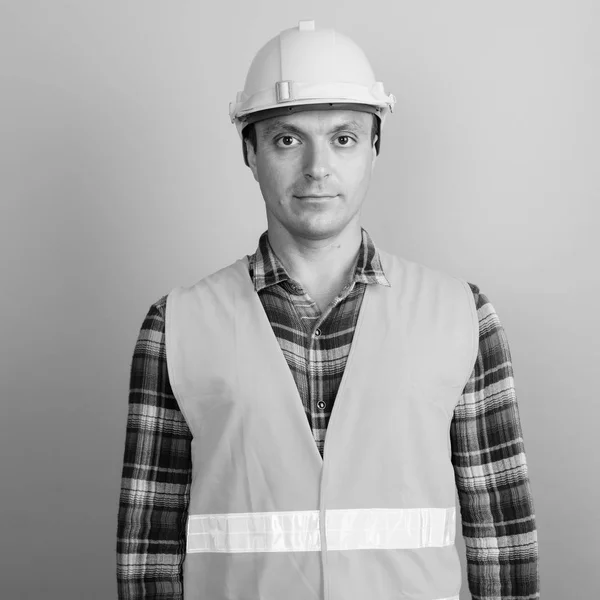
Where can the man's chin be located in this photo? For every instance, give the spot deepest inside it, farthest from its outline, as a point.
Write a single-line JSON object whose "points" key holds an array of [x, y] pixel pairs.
{"points": [[319, 230]]}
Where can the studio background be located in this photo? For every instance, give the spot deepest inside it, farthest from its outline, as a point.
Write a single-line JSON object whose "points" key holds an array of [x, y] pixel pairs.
{"points": [[122, 177]]}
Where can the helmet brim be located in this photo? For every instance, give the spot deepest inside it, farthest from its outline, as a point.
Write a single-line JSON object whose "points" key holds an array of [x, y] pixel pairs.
{"points": [[289, 110]]}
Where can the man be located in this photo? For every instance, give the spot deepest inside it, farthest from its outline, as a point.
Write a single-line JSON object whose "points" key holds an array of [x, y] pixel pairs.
{"points": [[403, 374]]}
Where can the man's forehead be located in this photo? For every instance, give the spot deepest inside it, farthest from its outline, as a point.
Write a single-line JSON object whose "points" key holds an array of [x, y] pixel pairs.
{"points": [[318, 120]]}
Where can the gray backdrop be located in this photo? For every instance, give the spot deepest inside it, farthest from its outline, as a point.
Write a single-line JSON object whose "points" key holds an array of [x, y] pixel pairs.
{"points": [[122, 177]]}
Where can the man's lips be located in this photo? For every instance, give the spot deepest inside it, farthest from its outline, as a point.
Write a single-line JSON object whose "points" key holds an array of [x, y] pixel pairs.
{"points": [[317, 196]]}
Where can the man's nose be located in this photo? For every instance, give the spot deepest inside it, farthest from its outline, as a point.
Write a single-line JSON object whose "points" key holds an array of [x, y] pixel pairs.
{"points": [[317, 160]]}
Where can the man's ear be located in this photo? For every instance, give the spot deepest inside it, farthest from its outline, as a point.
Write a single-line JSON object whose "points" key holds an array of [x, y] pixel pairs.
{"points": [[251, 158], [374, 150]]}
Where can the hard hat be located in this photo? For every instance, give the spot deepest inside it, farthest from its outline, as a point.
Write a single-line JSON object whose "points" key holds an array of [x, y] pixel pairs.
{"points": [[307, 69]]}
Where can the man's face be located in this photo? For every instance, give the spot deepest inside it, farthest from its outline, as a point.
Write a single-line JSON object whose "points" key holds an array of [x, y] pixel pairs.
{"points": [[326, 153]]}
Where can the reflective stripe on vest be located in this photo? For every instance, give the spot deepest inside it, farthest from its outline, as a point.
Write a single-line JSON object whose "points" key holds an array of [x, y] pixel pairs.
{"points": [[298, 531]]}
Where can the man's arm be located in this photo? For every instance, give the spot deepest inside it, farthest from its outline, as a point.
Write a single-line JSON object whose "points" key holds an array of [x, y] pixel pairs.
{"points": [[498, 520], [156, 475]]}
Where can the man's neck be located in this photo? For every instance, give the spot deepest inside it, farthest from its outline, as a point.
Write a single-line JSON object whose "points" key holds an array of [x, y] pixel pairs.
{"points": [[319, 265]]}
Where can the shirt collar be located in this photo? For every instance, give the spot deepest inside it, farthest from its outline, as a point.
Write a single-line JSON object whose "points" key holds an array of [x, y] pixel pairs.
{"points": [[266, 269]]}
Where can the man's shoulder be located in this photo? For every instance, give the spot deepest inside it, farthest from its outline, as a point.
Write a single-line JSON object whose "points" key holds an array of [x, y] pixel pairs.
{"points": [[396, 262], [156, 313], [396, 266], [233, 272], [220, 282]]}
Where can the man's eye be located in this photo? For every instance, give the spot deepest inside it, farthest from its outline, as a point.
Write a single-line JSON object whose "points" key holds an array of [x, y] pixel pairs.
{"points": [[346, 140], [286, 141]]}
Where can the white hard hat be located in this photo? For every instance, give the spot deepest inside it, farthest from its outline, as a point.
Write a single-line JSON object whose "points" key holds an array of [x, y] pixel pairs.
{"points": [[304, 69]]}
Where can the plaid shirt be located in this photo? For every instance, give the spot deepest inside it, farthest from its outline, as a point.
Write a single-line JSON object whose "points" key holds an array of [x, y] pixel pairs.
{"points": [[488, 455]]}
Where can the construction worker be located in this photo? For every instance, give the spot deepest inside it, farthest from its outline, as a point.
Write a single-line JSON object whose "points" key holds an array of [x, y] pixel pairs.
{"points": [[299, 421]]}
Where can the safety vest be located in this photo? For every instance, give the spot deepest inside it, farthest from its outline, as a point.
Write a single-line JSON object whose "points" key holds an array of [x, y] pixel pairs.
{"points": [[375, 518]]}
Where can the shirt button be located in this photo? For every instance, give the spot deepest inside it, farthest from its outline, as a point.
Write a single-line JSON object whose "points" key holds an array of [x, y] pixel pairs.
{"points": [[317, 332], [321, 404]]}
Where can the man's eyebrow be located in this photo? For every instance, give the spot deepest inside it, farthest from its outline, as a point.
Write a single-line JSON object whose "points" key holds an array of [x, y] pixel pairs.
{"points": [[354, 126], [279, 126]]}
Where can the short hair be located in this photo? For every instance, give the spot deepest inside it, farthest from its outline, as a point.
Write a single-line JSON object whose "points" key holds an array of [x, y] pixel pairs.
{"points": [[249, 133]]}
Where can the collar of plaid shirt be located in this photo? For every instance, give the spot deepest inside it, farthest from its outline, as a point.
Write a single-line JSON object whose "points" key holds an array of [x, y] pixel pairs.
{"points": [[266, 269]]}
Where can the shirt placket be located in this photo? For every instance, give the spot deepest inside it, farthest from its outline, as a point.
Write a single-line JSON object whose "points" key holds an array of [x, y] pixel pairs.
{"points": [[317, 407]]}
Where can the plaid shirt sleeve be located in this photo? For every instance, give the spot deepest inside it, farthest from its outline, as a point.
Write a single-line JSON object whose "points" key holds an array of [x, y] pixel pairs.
{"points": [[156, 475], [498, 520]]}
